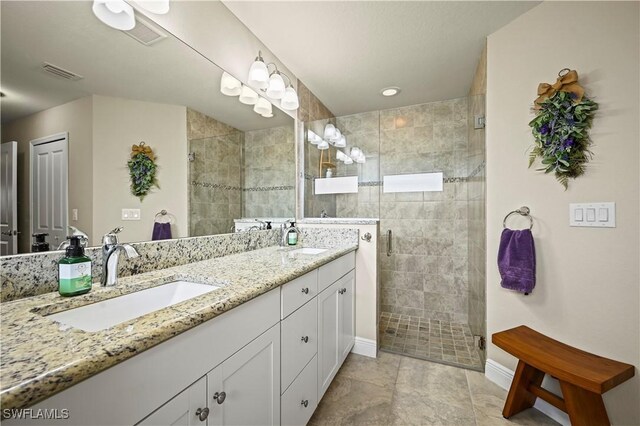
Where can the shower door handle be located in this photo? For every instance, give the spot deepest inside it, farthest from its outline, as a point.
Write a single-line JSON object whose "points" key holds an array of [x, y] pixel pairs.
{"points": [[389, 243]]}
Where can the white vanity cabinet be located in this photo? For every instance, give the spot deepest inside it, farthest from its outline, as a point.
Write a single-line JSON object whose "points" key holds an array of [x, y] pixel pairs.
{"points": [[185, 409], [265, 362], [243, 390]]}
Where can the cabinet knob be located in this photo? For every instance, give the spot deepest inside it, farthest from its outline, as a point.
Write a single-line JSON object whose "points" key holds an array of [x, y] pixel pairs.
{"points": [[219, 397], [342, 291], [202, 414], [305, 339], [305, 290], [305, 403]]}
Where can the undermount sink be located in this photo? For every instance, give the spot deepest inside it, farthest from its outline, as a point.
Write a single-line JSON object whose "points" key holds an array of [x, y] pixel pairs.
{"points": [[102, 315], [308, 250]]}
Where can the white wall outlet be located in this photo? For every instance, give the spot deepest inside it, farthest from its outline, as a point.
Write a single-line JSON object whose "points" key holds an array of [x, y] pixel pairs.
{"points": [[130, 214], [74, 215], [594, 215]]}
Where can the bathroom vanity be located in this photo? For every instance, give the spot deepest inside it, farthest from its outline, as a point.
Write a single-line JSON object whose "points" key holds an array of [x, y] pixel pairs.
{"points": [[261, 349]]}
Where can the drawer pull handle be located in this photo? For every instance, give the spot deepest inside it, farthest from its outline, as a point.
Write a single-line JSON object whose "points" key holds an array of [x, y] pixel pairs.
{"points": [[342, 291], [202, 414], [305, 403], [305, 339], [219, 397], [305, 290]]}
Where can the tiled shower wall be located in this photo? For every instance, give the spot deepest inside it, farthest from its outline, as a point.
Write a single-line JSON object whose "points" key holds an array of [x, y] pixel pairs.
{"points": [[215, 174], [269, 173], [315, 115], [426, 274], [476, 194]]}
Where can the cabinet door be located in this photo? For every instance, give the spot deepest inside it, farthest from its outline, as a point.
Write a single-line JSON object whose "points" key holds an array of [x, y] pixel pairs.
{"points": [[328, 337], [245, 389], [346, 291], [181, 410]]}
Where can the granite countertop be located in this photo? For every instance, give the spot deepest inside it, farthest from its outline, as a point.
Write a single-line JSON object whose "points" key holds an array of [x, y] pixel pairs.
{"points": [[339, 220], [40, 357]]}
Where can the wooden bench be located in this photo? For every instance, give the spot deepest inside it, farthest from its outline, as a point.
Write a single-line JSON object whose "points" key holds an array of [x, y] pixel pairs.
{"points": [[583, 376]]}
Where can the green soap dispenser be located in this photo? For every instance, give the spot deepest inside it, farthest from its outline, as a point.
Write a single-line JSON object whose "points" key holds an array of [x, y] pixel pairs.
{"points": [[292, 235], [74, 270]]}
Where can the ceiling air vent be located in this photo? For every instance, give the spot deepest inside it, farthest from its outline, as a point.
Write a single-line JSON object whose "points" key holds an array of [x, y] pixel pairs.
{"points": [[61, 72], [145, 32]]}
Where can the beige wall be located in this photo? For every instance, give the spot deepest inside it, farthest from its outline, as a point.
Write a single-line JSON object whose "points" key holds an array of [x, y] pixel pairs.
{"points": [[75, 118], [587, 291], [118, 124]]}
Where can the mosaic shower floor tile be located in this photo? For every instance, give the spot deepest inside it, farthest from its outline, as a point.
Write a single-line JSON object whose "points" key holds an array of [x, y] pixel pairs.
{"points": [[434, 340]]}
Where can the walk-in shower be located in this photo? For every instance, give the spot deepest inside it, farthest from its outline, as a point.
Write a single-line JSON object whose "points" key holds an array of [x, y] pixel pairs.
{"points": [[431, 247]]}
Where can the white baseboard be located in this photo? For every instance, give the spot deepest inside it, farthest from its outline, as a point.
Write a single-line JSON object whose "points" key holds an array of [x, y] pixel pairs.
{"points": [[366, 347], [502, 376]]}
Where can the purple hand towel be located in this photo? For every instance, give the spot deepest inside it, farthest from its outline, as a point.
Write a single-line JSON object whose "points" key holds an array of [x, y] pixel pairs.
{"points": [[517, 260], [161, 231]]}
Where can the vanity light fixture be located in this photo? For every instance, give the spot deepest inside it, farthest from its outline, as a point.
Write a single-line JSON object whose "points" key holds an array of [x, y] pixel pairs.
{"points": [[390, 91], [273, 83], [230, 85], [329, 131], [159, 7], [248, 96], [342, 142], [323, 145], [115, 13], [348, 161], [313, 138]]}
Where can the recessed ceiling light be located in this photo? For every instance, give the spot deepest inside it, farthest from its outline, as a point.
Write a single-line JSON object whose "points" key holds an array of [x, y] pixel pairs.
{"points": [[390, 91]]}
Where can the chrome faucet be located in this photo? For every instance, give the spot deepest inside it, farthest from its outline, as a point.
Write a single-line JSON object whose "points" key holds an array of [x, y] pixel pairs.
{"points": [[110, 255]]}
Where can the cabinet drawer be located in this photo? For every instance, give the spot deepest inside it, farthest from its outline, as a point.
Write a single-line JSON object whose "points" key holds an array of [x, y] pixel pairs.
{"points": [[332, 271], [298, 292], [303, 390], [299, 341]]}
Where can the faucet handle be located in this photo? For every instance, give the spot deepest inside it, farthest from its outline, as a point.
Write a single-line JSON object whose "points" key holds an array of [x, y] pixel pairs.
{"points": [[112, 237]]}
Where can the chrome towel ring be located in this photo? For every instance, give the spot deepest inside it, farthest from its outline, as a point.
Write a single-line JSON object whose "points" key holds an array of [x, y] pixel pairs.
{"points": [[522, 211]]}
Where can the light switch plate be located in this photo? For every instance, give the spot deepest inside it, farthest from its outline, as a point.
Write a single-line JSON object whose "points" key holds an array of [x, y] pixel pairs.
{"points": [[130, 214], [592, 215]]}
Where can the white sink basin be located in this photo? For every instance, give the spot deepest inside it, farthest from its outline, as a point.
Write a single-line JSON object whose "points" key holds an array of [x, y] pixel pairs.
{"points": [[105, 314], [308, 250]]}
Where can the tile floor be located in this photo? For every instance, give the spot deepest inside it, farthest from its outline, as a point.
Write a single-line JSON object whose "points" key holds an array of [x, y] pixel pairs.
{"points": [[433, 340], [399, 390]]}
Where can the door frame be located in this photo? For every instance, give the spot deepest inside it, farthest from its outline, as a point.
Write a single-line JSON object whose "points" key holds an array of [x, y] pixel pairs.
{"points": [[14, 196], [41, 141]]}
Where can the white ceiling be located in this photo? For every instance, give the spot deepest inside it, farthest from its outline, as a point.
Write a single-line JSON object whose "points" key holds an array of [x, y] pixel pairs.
{"points": [[67, 34], [347, 51]]}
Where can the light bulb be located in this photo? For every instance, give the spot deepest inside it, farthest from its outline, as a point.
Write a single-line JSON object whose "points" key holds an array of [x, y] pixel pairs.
{"points": [[230, 85], [313, 138], [276, 87], [262, 107], [248, 96], [115, 13], [329, 131], [290, 99], [258, 74]]}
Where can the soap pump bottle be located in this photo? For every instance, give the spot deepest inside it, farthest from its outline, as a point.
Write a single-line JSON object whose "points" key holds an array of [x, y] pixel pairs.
{"points": [[292, 234], [74, 270]]}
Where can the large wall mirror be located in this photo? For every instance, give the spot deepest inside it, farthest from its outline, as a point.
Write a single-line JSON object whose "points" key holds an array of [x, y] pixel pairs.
{"points": [[77, 94]]}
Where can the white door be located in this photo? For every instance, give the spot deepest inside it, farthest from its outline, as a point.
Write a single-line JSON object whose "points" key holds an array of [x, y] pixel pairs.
{"points": [[245, 389], [185, 409], [328, 337], [49, 176], [347, 318], [9, 204]]}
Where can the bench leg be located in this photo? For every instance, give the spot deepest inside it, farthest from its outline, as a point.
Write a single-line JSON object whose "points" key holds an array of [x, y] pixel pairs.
{"points": [[519, 397], [584, 407]]}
